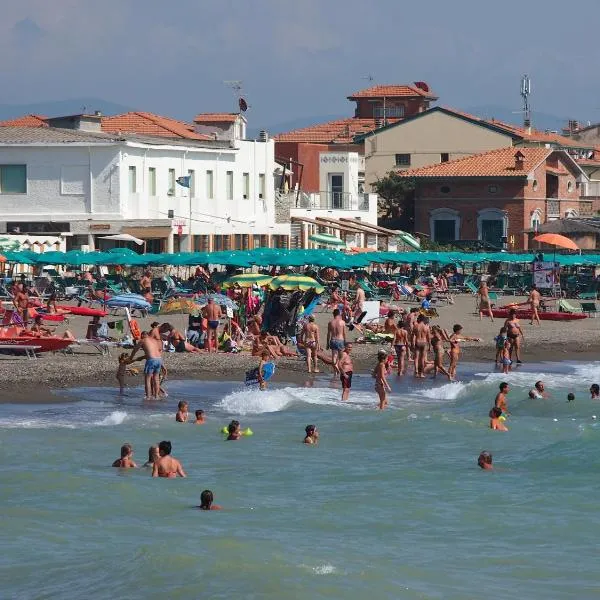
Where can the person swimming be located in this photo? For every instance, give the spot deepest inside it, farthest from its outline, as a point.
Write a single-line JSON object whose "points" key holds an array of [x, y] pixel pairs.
{"points": [[126, 460], [234, 431], [182, 412], [570, 397], [495, 422], [166, 465], [206, 501], [595, 391], [485, 461], [312, 435], [153, 456]]}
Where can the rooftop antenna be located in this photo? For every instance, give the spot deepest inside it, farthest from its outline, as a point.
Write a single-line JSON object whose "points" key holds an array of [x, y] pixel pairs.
{"points": [[525, 91], [236, 86], [368, 77]]}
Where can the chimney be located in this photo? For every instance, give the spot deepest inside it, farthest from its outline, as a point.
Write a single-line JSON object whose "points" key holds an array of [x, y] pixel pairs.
{"points": [[263, 136], [378, 123], [519, 161]]}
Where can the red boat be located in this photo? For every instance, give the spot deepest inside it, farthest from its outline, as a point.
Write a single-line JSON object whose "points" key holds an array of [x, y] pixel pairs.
{"points": [[503, 313], [14, 336]]}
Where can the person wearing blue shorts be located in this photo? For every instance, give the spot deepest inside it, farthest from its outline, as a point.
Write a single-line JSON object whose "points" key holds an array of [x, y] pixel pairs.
{"points": [[152, 350]]}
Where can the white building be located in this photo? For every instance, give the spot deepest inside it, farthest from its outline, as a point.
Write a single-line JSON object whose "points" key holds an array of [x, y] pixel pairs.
{"points": [[77, 181]]}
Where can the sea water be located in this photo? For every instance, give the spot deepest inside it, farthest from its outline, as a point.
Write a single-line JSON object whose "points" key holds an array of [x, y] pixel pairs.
{"points": [[388, 505]]}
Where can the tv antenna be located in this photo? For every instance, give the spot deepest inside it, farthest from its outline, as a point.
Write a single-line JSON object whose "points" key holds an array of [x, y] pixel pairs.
{"points": [[525, 91], [236, 86], [368, 77]]}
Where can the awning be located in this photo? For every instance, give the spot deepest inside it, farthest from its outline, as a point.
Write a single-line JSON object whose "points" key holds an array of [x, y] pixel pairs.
{"points": [[148, 233]]}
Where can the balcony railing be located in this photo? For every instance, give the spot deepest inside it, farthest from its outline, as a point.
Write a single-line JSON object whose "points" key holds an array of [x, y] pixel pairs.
{"points": [[552, 207], [333, 201], [586, 208]]}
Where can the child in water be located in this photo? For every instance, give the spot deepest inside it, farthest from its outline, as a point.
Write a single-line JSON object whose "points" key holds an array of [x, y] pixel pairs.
{"points": [[182, 412], [234, 431], [312, 435], [495, 421], [500, 339], [126, 460], [264, 358], [206, 501], [506, 361], [199, 418], [124, 362], [153, 456]]}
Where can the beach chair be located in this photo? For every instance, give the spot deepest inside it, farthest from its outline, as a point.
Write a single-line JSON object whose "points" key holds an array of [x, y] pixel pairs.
{"points": [[471, 287], [587, 295], [567, 307], [589, 308]]}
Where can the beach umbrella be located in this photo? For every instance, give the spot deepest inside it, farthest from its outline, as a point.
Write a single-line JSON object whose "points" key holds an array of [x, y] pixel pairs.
{"points": [[296, 282], [324, 238], [183, 306], [246, 280], [219, 299], [555, 239]]}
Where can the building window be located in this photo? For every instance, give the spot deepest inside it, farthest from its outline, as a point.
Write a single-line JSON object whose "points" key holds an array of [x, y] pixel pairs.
{"points": [[152, 181], [229, 185], [444, 157], [535, 185], [246, 179], [132, 180], [492, 226], [445, 189], [192, 176], [280, 241], [201, 243], [171, 184], [536, 219], [260, 241], [444, 225], [403, 160], [569, 186], [388, 112], [210, 185], [493, 189], [241, 241], [261, 185], [13, 179], [222, 242]]}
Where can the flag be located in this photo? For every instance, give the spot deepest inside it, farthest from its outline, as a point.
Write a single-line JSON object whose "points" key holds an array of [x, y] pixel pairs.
{"points": [[184, 181]]}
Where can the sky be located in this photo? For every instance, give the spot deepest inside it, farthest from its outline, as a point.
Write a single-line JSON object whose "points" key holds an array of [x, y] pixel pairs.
{"points": [[299, 58]]}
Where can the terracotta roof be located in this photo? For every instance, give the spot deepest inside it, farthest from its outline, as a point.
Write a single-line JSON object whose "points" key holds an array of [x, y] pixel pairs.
{"points": [[216, 118], [392, 91], [150, 124], [341, 131], [537, 136], [26, 121], [497, 163]]}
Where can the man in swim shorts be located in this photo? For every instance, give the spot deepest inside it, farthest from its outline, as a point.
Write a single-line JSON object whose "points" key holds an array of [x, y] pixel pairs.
{"points": [[346, 369], [153, 353], [213, 316], [500, 400], [336, 338], [166, 465]]}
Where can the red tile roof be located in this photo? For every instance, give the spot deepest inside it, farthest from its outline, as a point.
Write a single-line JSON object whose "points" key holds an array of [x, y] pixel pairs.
{"points": [[150, 124], [216, 118], [497, 163], [26, 121], [340, 131], [537, 136], [392, 91]]}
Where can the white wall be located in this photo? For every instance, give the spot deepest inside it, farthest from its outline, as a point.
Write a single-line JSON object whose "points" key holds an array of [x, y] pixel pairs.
{"points": [[53, 191]]}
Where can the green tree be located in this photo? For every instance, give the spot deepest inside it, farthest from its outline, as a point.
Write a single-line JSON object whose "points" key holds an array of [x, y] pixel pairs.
{"points": [[396, 205]]}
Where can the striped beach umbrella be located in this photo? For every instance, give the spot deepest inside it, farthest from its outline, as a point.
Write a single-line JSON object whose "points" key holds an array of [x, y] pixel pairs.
{"points": [[247, 280], [296, 282]]}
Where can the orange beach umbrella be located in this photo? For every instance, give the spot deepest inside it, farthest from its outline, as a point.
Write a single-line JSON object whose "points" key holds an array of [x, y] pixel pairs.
{"points": [[554, 239]]}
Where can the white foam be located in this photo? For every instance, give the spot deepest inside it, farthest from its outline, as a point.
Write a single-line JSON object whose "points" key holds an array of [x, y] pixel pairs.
{"points": [[34, 423], [324, 569], [115, 418], [448, 391]]}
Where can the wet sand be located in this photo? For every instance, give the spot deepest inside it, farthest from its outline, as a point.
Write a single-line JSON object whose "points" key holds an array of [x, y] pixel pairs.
{"points": [[23, 380]]}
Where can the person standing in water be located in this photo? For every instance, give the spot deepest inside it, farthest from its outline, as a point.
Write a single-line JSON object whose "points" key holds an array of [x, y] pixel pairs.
{"points": [[182, 412], [500, 400], [206, 501], [346, 369], [495, 421], [534, 303], [455, 340], [381, 385], [514, 334], [485, 461], [126, 460], [400, 344], [595, 391], [213, 317], [153, 456], [438, 337], [153, 352], [166, 465], [312, 435], [312, 342], [422, 339]]}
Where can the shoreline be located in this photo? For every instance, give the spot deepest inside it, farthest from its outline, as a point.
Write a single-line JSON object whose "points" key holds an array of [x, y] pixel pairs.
{"points": [[54, 373]]}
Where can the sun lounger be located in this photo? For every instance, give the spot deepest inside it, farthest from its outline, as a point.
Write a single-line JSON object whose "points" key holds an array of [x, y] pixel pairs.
{"points": [[566, 306], [589, 308], [29, 351]]}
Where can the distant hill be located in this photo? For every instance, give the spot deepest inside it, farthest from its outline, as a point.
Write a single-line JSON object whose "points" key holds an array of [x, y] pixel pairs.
{"points": [[539, 120], [60, 108]]}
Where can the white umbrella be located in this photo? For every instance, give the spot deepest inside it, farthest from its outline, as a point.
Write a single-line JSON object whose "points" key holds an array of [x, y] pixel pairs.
{"points": [[123, 237]]}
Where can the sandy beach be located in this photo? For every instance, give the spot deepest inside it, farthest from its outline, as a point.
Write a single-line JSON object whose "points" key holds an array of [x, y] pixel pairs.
{"points": [[24, 380]]}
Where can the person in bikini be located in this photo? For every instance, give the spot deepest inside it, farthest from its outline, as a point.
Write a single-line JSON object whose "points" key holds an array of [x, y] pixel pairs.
{"points": [[421, 340], [438, 337], [336, 338], [213, 316], [514, 333], [410, 320], [455, 340], [312, 343], [182, 412], [346, 370], [382, 387], [484, 301], [126, 460], [534, 303], [166, 465], [400, 343]]}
